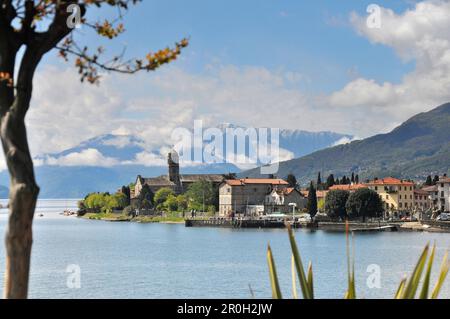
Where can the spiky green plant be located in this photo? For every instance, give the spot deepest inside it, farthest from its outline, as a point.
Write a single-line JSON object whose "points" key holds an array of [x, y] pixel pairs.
{"points": [[407, 289]]}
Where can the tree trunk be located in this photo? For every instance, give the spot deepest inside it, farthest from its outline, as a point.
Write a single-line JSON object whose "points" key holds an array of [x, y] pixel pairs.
{"points": [[22, 203], [14, 104]]}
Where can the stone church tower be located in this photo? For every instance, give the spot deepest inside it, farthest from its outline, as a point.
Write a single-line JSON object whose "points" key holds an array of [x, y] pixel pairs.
{"points": [[174, 170]]}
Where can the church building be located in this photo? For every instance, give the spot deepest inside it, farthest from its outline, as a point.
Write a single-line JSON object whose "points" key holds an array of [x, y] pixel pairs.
{"points": [[179, 183]]}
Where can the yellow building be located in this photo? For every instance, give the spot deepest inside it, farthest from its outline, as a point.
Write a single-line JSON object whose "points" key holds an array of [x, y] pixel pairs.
{"points": [[397, 195]]}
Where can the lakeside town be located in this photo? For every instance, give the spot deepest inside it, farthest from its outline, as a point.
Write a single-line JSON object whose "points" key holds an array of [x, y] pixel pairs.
{"points": [[226, 200]]}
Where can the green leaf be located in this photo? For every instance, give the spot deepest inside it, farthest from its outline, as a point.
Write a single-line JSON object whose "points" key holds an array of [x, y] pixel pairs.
{"points": [[400, 289], [442, 275], [276, 292], [413, 283], [426, 281], [310, 280], [307, 294], [351, 292], [294, 283]]}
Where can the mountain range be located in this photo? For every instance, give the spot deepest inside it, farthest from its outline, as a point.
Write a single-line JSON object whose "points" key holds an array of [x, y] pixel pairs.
{"points": [[417, 148], [61, 176]]}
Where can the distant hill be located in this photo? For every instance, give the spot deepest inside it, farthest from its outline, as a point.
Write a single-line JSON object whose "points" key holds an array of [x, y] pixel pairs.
{"points": [[76, 181], [415, 149], [301, 142]]}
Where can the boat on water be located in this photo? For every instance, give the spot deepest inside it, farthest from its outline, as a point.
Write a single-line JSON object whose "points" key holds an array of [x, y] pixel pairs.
{"points": [[68, 213]]}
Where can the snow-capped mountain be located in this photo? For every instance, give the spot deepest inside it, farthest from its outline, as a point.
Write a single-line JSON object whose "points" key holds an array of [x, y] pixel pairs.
{"points": [[106, 162]]}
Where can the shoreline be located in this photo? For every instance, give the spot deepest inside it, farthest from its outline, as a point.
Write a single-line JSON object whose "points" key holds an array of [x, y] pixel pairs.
{"points": [[325, 226], [139, 219]]}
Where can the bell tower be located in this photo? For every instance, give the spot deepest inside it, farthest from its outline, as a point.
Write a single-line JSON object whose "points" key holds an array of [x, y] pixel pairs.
{"points": [[174, 168]]}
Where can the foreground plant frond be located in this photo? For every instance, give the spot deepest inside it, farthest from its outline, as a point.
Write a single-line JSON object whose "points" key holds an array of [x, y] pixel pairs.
{"points": [[305, 285], [351, 292], [276, 292], [442, 275], [407, 289], [294, 283]]}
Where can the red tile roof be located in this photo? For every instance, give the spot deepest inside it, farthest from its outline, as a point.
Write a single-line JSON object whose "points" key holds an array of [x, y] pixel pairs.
{"points": [[390, 181], [420, 192], [246, 181], [347, 187]]}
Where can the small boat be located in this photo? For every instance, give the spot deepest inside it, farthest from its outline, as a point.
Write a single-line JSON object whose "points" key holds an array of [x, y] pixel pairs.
{"points": [[68, 213], [41, 215]]}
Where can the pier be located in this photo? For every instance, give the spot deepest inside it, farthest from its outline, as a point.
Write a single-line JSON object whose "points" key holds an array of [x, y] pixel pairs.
{"points": [[246, 223]]}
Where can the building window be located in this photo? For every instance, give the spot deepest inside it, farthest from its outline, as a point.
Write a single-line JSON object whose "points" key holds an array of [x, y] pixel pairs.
{"points": [[376, 188], [400, 196], [400, 205]]}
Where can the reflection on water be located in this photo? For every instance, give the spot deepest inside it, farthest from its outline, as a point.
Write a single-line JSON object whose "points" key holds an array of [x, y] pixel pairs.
{"points": [[130, 260]]}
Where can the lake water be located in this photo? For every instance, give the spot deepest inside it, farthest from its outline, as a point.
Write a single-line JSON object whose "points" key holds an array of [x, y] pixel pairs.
{"points": [[131, 260]]}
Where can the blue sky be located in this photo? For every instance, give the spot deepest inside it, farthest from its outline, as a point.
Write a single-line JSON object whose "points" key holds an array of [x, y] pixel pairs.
{"points": [[309, 65], [314, 38]]}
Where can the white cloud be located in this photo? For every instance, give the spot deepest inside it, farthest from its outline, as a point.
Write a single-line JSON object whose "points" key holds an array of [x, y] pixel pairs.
{"points": [[422, 35], [360, 93], [120, 141], [345, 140], [65, 112], [3, 165], [88, 157], [148, 159]]}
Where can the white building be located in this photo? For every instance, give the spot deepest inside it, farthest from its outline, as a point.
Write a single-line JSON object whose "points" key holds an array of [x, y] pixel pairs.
{"points": [[246, 196], [279, 200], [444, 193], [433, 195]]}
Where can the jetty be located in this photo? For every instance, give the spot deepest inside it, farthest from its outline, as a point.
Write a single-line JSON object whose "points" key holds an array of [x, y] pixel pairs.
{"points": [[376, 229], [247, 223], [235, 223]]}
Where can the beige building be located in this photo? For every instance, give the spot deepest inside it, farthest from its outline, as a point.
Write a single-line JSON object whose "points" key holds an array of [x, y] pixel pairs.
{"points": [[397, 195], [279, 200], [236, 196], [422, 199]]}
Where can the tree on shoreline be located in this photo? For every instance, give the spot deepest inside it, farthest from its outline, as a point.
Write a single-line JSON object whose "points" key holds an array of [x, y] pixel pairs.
{"points": [[292, 181], [364, 203], [335, 202], [330, 181], [29, 29], [162, 195], [201, 195]]}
